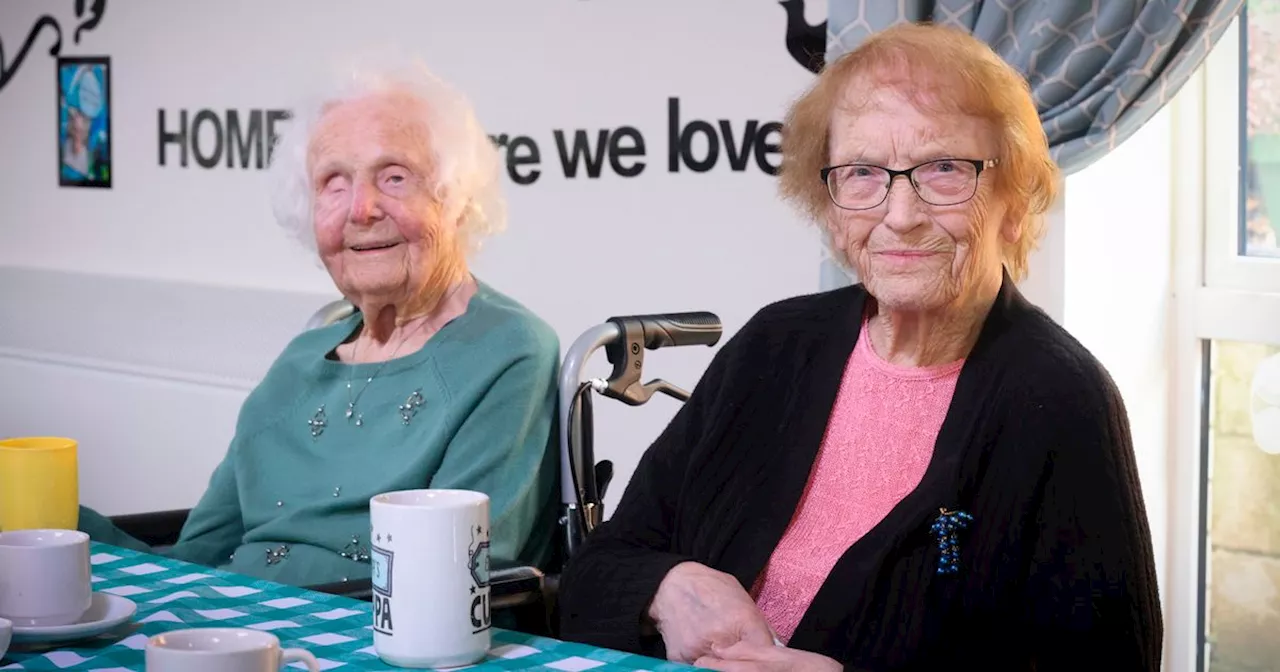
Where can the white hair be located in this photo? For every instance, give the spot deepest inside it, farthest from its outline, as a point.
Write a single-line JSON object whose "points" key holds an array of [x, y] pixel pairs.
{"points": [[466, 167]]}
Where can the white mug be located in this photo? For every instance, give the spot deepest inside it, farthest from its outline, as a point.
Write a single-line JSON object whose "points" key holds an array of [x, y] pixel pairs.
{"points": [[430, 558], [45, 577], [221, 650]]}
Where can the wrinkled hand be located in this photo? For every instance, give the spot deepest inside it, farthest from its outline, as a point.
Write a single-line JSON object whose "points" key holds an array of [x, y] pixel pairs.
{"points": [[697, 607], [751, 657]]}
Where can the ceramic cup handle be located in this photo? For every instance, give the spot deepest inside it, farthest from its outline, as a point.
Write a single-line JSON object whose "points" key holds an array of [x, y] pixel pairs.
{"points": [[303, 655]]}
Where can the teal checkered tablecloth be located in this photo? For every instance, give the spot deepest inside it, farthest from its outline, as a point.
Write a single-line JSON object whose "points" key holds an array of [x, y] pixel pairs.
{"points": [[173, 595]]}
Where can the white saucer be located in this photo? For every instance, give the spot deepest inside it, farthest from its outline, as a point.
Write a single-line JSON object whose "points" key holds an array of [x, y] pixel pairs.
{"points": [[105, 613]]}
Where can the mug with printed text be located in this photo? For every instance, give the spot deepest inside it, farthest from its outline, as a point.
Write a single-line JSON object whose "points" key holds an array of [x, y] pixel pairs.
{"points": [[430, 558]]}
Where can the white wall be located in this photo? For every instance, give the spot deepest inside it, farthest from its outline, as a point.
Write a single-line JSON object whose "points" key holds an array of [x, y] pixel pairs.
{"points": [[1118, 290], [154, 406], [147, 375]]}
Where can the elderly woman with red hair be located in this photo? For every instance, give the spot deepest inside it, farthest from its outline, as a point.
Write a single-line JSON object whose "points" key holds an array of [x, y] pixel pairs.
{"points": [[922, 471]]}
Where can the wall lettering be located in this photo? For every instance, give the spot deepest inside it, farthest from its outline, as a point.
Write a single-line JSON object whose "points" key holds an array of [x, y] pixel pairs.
{"points": [[695, 144], [230, 138], [608, 143], [244, 139], [521, 151], [752, 141]]}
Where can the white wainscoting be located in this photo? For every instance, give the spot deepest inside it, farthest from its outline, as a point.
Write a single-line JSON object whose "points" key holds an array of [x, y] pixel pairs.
{"points": [[147, 375]]}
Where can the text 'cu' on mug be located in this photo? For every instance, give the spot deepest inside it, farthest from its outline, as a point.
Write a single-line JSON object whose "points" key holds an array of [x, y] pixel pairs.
{"points": [[430, 571], [39, 483]]}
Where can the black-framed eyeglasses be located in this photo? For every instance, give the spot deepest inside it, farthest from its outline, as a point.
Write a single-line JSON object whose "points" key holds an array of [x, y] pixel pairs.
{"points": [[941, 182]]}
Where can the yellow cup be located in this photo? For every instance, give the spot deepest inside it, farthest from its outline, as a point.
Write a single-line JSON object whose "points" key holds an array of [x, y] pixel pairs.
{"points": [[39, 483]]}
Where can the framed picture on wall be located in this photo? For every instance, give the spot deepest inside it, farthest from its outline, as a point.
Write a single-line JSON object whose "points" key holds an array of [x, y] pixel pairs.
{"points": [[84, 121]]}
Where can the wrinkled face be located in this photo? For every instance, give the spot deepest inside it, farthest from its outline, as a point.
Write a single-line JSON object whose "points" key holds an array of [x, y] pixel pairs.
{"points": [[376, 221], [911, 255]]}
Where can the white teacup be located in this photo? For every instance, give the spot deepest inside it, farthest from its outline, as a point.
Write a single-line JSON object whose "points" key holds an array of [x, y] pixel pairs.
{"points": [[430, 557], [44, 577], [221, 650], [6, 633]]}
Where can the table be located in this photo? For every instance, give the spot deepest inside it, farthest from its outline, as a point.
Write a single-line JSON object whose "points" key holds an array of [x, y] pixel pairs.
{"points": [[173, 595]]}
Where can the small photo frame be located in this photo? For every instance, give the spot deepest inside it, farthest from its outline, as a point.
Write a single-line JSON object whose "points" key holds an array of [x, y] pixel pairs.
{"points": [[84, 121]]}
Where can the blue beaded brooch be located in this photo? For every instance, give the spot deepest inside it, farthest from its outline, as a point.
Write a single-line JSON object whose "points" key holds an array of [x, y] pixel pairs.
{"points": [[946, 529]]}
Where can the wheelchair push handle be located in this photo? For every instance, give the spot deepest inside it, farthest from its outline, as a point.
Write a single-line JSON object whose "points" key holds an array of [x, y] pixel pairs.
{"points": [[637, 333], [624, 340], [662, 330]]}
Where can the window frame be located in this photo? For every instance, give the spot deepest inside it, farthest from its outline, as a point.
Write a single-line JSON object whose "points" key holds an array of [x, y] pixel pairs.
{"points": [[1226, 267], [1219, 294]]}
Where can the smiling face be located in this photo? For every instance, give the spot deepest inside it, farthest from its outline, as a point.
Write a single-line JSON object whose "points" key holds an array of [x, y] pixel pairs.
{"points": [[377, 221], [913, 256]]}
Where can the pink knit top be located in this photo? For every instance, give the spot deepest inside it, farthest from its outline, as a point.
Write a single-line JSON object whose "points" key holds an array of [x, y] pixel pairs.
{"points": [[878, 444]]}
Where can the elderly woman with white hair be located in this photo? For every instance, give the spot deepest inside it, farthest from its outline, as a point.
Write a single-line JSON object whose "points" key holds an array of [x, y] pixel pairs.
{"points": [[437, 380]]}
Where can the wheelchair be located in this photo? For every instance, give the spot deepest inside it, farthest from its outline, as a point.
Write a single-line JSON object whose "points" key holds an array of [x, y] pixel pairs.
{"points": [[528, 594]]}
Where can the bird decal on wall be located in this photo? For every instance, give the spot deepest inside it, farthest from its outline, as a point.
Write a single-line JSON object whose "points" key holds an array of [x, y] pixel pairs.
{"points": [[90, 15], [95, 16], [807, 44]]}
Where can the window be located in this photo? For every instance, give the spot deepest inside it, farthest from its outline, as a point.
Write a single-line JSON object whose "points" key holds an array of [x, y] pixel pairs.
{"points": [[1242, 153], [1222, 584], [1260, 90], [1242, 587]]}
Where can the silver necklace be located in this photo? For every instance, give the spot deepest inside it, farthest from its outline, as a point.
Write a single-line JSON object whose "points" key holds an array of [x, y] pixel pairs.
{"points": [[415, 400], [320, 421], [352, 414]]}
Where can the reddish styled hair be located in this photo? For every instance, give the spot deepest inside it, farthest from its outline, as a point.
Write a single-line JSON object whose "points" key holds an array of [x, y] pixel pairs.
{"points": [[942, 71]]}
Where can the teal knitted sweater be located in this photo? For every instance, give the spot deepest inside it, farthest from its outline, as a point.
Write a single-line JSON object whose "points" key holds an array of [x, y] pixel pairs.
{"points": [[290, 501]]}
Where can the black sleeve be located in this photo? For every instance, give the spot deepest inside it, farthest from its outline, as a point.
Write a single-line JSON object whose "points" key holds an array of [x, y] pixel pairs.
{"points": [[1092, 597], [607, 586]]}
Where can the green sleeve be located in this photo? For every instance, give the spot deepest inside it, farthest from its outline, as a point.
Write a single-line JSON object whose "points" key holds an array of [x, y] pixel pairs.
{"points": [[102, 530], [504, 449], [215, 526], [212, 532]]}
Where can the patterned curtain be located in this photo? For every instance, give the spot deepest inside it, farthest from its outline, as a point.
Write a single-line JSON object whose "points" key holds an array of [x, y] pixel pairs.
{"points": [[1098, 69]]}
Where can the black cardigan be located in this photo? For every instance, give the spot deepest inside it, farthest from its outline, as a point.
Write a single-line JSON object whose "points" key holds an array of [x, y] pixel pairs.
{"points": [[1056, 571]]}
